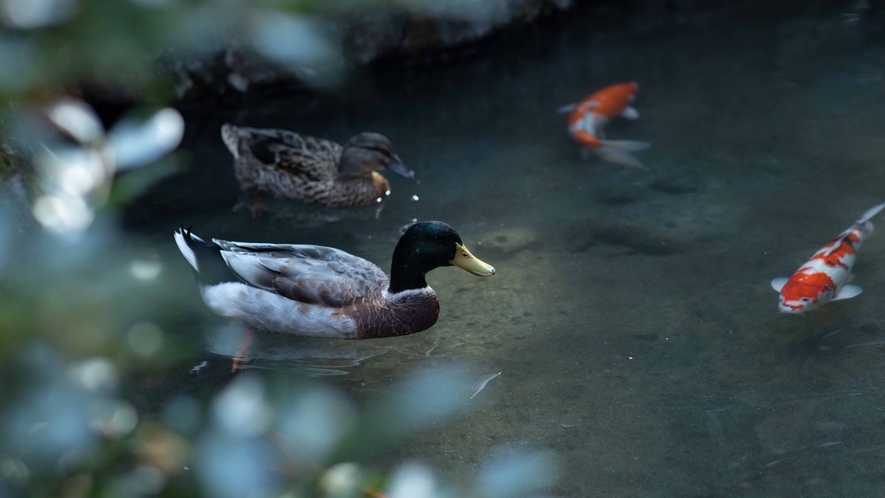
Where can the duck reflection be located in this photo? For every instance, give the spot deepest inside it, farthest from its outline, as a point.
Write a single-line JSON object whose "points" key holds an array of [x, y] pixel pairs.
{"points": [[314, 357]]}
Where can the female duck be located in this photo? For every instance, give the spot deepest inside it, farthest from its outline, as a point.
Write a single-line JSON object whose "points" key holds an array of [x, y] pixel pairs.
{"points": [[312, 170], [325, 292]]}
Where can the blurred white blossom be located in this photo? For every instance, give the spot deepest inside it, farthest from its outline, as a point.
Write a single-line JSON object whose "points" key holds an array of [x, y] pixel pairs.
{"points": [[233, 467], [518, 474], [29, 14], [241, 409], [413, 480], [317, 422], [134, 142], [75, 179]]}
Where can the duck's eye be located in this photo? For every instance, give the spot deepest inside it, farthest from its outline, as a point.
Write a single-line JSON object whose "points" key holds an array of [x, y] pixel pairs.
{"points": [[385, 153]]}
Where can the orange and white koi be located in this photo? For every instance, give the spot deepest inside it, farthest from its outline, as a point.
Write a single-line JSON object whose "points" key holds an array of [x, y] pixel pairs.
{"points": [[587, 118], [825, 276]]}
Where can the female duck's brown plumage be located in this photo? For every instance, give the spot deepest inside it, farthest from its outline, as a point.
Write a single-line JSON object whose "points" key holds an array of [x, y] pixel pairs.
{"points": [[312, 170], [321, 291]]}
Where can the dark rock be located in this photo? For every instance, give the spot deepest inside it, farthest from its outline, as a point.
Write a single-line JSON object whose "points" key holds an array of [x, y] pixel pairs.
{"points": [[366, 38], [379, 35], [234, 69]]}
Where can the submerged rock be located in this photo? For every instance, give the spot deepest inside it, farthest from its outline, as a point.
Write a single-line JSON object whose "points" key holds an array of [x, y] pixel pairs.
{"points": [[620, 195], [677, 184], [509, 241], [617, 232]]}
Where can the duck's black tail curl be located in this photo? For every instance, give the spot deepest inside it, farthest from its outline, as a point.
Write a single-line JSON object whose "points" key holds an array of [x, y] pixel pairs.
{"points": [[204, 257]]}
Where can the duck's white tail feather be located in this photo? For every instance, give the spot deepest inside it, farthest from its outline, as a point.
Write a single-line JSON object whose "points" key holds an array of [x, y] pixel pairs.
{"points": [[231, 139], [186, 250], [873, 211], [621, 152]]}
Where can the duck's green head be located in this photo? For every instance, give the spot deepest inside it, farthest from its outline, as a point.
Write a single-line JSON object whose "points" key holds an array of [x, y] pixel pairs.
{"points": [[428, 245], [369, 152]]}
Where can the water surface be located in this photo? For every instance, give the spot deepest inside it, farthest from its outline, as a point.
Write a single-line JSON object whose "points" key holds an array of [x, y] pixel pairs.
{"points": [[631, 317]]}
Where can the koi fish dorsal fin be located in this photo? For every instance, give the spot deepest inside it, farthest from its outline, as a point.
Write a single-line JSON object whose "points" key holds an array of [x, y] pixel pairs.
{"points": [[779, 283], [630, 113], [847, 292], [837, 243], [873, 211]]}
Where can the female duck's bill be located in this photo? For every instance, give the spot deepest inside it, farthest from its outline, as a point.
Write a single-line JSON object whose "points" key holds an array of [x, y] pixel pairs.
{"points": [[396, 165]]}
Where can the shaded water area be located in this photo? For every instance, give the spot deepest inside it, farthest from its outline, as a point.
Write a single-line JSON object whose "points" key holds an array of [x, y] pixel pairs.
{"points": [[631, 317]]}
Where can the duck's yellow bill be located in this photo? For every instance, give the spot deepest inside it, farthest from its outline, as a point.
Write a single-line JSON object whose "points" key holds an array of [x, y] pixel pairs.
{"points": [[463, 259]]}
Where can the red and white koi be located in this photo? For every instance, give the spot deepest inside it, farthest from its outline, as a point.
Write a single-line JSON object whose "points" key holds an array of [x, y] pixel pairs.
{"points": [[825, 276], [587, 118]]}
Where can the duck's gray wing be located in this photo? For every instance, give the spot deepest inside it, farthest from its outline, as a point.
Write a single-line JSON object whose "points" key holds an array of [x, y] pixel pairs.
{"points": [[306, 273]]}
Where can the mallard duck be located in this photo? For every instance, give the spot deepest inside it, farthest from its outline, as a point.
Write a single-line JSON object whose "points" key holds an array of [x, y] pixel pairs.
{"points": [[321, 291], [312, 170]]}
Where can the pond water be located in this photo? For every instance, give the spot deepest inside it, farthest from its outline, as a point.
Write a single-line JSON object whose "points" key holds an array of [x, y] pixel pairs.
{"points": [[631, 318]]}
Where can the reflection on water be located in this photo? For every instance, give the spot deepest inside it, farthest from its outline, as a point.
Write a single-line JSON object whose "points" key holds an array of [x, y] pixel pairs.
{"points": [[309, 355]]}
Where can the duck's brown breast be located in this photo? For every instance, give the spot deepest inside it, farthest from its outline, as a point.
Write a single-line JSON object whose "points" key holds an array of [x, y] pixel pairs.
{"points": [[357, 192], [415, 312]]}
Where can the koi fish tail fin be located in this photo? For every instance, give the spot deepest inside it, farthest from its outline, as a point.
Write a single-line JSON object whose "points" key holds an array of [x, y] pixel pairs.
{"points": [[566, 108], [621, 152], [865, 219], [873, 211]]}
